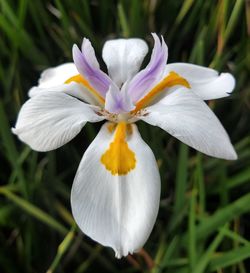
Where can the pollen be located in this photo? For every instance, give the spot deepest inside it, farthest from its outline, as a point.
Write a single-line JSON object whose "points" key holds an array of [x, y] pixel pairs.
{"points": [[80, 79], [171, 80], [119, 159]]}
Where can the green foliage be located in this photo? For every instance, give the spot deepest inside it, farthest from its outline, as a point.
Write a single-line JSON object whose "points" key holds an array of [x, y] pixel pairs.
{"points": [[204, 221]]}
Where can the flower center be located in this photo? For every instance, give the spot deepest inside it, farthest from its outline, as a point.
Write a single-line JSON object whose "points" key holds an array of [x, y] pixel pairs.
{"points": [[170, 80]]}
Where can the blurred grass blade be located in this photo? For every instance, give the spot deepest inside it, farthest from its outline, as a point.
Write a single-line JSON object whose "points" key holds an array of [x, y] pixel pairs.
{"points": [[181, 179], [192, 252], [229, 258], [236, 181], [235, 236], [204, 260], [233, 18], [170, 250], [11, 152], [34, 211], [83, 267], [186, 6], [123, 21], [222, 216], [62, 248]]}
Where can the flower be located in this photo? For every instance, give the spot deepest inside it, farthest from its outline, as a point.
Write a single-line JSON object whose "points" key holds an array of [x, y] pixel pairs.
{"points": [[116, 191]]}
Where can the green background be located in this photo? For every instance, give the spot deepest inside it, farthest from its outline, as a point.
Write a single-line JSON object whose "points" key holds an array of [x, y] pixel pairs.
{"points": [[203, 223]]}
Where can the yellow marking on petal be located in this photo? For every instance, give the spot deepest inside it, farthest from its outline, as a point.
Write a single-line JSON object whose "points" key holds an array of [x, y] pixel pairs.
{"points": [[171, 80], [80, 79], [111, 127], [129, 129], [119, 159]]}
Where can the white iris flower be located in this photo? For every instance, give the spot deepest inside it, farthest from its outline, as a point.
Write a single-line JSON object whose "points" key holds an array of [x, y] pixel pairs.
{"points": [[116, 191]]}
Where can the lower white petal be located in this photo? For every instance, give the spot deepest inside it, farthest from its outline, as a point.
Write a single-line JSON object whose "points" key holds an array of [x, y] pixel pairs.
{"points": [[185, 116], [205, 82], [118, 211], [49, 120]]}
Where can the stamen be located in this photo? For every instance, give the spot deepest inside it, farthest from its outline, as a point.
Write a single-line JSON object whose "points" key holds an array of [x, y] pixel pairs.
{"points": [[171, 80], [119, 159], [80, 79]]}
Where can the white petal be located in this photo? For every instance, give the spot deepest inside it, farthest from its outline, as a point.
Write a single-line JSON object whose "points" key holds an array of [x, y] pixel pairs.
{"points": [[57, 75], [117, 211], [123, 58], [205, 82], [185, 116], [53, 79], [73, 89], [48, 121]]}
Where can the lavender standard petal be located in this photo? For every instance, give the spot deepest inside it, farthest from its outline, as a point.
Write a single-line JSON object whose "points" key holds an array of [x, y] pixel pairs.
{"points": [[117, 101], [148, 77], [97, 79]]}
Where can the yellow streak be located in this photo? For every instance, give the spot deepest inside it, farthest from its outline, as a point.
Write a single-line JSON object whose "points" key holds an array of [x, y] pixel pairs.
{"points": [[171, 80], [119, 159], [79, 79], [111, 127]]}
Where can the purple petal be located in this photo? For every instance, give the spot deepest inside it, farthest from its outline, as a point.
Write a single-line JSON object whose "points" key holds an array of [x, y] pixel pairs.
{"points": [[148, 77], [87, 65], [117, 101]]}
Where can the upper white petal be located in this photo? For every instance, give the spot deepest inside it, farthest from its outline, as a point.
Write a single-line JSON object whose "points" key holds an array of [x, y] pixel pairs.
{"points": [[123, 58], [73, 89], [51, 119], [116, 211], [185, 116], [205, 82], [54, 78]]}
